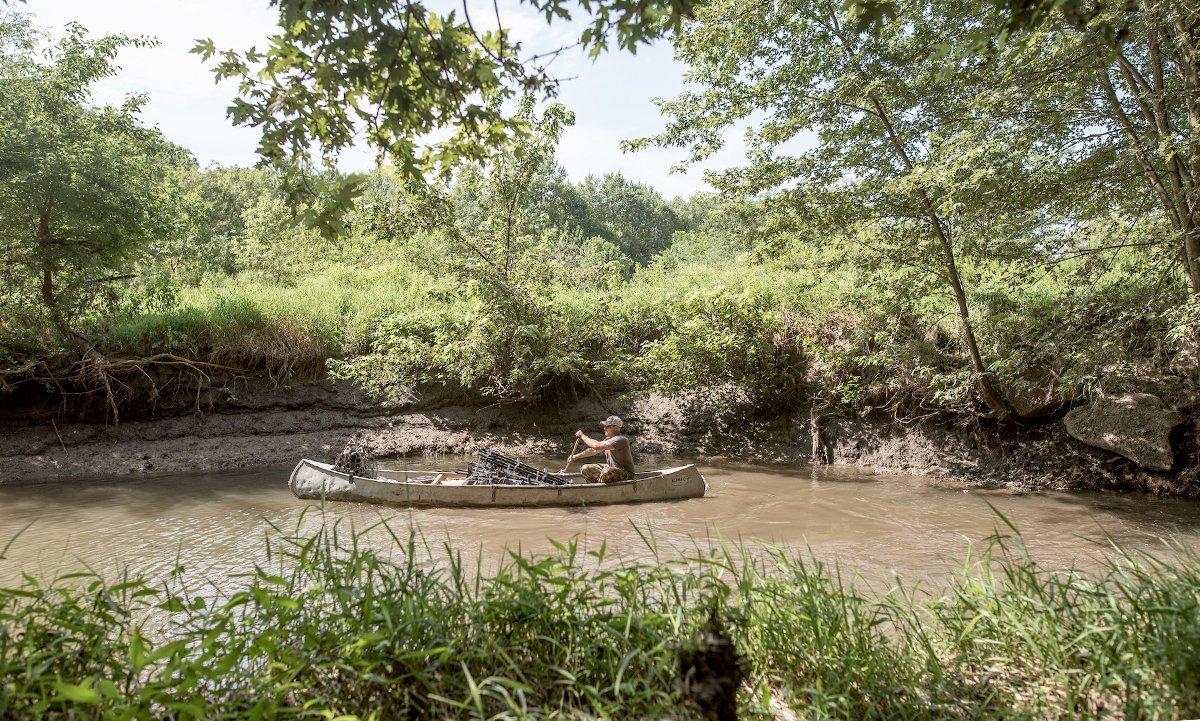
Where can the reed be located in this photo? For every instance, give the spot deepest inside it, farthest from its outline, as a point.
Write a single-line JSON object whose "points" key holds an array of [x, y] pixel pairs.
{"points": [[330, 628]]}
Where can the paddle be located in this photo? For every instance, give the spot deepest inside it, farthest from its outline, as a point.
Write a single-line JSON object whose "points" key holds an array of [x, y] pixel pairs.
{"points": [[573, 449]]}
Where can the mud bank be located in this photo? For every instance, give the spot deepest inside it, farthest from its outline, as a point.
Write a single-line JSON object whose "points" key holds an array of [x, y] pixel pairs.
{"points": [[255, 424]]}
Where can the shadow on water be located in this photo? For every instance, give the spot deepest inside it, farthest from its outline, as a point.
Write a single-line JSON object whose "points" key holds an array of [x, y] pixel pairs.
{"points": [[1151, 514]]}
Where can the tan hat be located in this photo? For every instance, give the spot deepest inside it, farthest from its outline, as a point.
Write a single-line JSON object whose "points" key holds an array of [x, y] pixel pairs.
{"points": [[612, 421]]}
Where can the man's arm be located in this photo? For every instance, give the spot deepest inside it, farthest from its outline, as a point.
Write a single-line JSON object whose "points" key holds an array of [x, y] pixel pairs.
{"points": [[593, 444], [585, 453]]}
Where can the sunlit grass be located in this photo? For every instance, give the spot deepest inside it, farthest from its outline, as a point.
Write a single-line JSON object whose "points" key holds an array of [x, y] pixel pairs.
{"points": [[287, 331]]}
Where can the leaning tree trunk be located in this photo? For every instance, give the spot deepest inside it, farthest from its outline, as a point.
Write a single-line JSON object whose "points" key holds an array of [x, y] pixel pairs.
{"points": [[992, 396], [988, 390]]}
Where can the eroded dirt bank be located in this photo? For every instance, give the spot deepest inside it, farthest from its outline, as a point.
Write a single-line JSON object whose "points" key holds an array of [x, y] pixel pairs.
{"points": [[254, 424]]}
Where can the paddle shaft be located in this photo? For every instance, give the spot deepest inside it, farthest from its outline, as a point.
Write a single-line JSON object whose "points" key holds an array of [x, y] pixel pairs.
{"points": [[573, 449]]}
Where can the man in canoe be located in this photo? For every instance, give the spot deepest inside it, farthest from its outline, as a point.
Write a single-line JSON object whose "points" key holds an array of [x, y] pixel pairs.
{"points": [[616, 449]]}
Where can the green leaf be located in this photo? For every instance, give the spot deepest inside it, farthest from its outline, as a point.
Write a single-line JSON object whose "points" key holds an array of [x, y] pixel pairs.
{"points": [[77, 693]]}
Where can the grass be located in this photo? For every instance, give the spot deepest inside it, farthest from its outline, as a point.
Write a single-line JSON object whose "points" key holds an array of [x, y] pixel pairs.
{"points": [[330, 629], [286, 331], [668, 330]]}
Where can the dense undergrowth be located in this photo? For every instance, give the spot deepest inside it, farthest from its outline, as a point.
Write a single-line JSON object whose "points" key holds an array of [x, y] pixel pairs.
{"points": [[550, 316], [333, 628], [782, 333]]}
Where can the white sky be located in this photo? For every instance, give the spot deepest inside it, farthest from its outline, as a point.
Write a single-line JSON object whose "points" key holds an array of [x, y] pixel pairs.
{"points": [[611, 96]]}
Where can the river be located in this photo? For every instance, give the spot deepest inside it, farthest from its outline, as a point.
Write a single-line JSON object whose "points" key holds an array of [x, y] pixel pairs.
{"points": [[872, 525]]}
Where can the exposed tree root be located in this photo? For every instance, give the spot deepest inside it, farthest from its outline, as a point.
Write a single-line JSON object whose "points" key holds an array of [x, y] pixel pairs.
{"points": [[114, 383]]}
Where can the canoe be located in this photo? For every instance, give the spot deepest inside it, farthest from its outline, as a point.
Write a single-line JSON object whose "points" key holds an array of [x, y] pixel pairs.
{"points": [[313, 480]]}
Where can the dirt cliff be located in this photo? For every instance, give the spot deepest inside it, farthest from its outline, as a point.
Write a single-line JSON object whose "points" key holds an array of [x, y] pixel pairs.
{"points": [[253, 423]]}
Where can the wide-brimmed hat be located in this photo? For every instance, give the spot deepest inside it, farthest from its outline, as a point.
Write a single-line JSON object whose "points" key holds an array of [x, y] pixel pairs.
{"points": [[612, 421]]}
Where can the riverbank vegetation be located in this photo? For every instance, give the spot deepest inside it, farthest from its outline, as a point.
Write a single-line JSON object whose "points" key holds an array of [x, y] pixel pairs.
{"points": [[993, 243], [980, 212], [334, 627], [982, 251]]}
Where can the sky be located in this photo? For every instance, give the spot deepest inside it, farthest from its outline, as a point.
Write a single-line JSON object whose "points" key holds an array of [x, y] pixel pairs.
{"points": [[611, 96]]}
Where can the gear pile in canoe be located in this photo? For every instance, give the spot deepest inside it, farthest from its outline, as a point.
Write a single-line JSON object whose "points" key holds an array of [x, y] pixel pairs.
{"points": [[496, 468]]}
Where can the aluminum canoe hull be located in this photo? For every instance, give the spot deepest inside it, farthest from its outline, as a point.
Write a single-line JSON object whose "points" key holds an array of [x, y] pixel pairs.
{"points": [[312, 480]]}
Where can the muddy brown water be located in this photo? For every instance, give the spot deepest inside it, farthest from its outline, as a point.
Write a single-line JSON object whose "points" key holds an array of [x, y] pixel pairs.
{"points": [[871, 525]]}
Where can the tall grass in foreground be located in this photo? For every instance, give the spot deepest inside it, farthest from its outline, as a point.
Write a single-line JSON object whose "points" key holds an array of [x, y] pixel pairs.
{"points": [[330, 629]]}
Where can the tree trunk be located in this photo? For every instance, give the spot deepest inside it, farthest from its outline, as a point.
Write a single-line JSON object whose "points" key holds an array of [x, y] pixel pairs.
{"points": [[49, 297], [992, 397], [50, 300]]}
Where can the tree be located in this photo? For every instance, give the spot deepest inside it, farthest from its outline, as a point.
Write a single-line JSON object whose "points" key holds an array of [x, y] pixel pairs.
{"points": [[632, 216], [84, 190], [1137, 101], [491, 234], [909, 163], [273, 244], [216, 200]]}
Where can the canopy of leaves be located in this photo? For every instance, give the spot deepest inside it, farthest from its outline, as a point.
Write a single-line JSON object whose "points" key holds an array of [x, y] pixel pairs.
{"points": [[395, 73], [632, 216], [944, 173], [84, 189]]}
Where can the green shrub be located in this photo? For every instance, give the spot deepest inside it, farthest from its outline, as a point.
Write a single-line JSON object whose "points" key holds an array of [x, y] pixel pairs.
{"points": [[803, 328]]}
